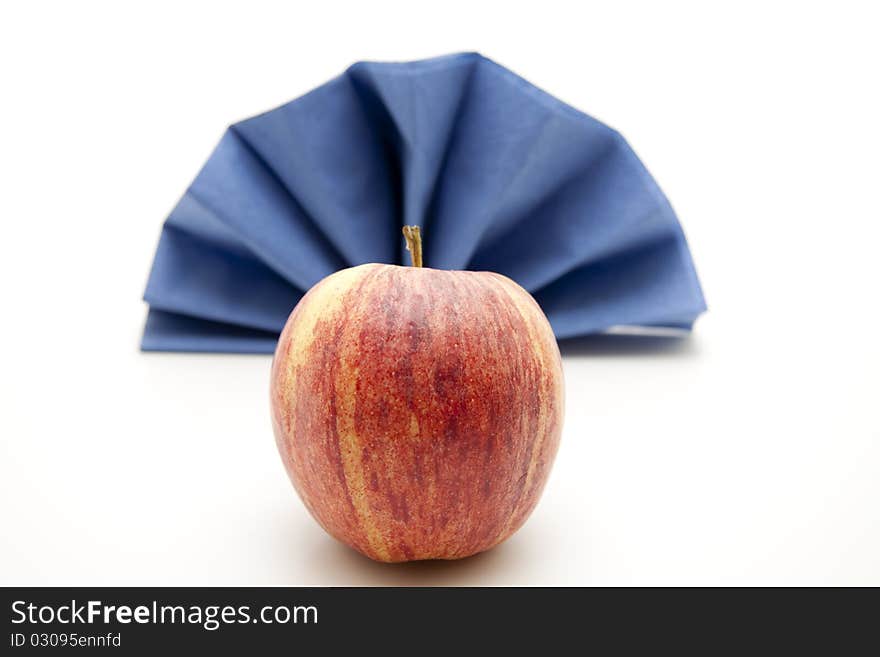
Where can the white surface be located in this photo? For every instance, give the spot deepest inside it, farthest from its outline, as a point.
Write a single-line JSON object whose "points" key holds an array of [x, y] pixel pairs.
{"points": [[748, 455]]}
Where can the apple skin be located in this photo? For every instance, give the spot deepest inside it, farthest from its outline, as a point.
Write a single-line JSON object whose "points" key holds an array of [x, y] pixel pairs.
{"points": [[417, 411]]}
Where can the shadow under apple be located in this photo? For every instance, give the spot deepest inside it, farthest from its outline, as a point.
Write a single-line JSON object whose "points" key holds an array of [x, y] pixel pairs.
{"points": [[491, 568]]}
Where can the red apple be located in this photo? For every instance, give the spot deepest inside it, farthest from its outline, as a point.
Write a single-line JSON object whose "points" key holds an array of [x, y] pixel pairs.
{"points": [[417, 411]]}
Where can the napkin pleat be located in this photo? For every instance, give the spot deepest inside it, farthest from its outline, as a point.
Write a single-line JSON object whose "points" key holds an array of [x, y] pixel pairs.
{"points": [[645, 286], [330, 158], [604, 210], [422, 108], [194, 218], [559, 164], [238, 187], [166, 331], [200, 280], [488, 158]]}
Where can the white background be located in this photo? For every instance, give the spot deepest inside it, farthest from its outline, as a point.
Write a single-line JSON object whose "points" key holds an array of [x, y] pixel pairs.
{"points": [[749, 454]]}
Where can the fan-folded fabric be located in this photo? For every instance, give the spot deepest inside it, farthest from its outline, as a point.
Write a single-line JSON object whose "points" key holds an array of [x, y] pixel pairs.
{"points": [[498, 174]]}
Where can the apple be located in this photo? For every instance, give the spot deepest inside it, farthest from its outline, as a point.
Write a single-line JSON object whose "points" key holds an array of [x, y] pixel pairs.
{"points": [[417, 411]]}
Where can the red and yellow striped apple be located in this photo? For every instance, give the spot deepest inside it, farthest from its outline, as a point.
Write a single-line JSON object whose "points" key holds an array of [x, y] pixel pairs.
{"points": [[417, 411]]}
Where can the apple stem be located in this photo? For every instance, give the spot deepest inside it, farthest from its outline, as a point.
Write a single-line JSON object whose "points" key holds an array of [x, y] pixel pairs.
{"points": [[413, 237]]}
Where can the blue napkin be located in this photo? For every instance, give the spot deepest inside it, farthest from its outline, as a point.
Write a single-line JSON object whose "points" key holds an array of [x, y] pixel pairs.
{"points": [[499, 175]]}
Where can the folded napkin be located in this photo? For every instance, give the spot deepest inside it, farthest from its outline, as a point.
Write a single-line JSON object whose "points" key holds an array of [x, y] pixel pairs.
{"points": [[499, 175]]}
